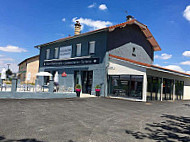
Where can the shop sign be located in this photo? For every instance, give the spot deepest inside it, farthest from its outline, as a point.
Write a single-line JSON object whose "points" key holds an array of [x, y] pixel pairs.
{"points": [[65, 52], [64, 74], [83, 61]]}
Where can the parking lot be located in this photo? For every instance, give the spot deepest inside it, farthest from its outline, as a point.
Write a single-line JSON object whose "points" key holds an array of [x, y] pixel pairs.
{"points": [[93, 120]]}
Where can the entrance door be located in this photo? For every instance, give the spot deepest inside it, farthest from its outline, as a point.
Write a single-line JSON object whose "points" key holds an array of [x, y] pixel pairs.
{"points": [[87, 78]]}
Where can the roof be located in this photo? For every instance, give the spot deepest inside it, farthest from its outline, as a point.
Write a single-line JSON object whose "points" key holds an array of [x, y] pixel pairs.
{"points": [[148, 65], [143, 28], [28, 59]]}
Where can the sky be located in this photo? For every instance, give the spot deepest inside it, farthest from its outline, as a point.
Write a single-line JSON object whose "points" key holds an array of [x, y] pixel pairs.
{"points": [[27, 23]]}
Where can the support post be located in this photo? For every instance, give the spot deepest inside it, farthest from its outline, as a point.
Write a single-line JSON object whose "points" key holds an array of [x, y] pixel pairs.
{"points": [[51, 86], [174, 91], [161, 89], [144, 88], [14, 85]]}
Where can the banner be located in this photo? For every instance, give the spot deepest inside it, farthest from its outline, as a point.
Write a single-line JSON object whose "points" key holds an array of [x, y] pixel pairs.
{"points": [[65, 52]]}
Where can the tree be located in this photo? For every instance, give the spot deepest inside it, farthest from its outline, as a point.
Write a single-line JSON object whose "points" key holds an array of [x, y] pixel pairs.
{"points": [[9, 73]]}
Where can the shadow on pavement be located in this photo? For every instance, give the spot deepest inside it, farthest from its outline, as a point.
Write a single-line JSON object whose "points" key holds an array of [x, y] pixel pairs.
{"points": [[173, 128], [3, 139]]}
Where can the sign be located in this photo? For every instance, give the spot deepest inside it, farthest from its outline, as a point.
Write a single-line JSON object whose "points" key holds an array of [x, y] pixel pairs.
{"points": [[75, 61], [65, 52], [63, 74], [83, 61]]}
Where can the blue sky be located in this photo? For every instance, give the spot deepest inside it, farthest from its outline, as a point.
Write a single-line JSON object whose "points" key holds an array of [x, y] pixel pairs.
{"points": [[26, 23]]}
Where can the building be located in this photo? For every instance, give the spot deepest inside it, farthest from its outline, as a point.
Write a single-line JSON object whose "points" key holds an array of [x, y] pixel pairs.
{"points": [[28, 69], [119, 58]]}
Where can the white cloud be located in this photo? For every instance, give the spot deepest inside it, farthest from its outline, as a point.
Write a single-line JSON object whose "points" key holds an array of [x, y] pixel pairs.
{"points": [[174, 67], [92, 5], [163, 56], [186, 54], [186, 13], [94, 24], [64, 19], [188, 72], [10, 48], [185, 63], [103, 7], [6, 59]]}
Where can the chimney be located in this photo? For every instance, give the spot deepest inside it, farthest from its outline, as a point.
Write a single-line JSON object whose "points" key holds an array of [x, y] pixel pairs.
{"points": [[77, 28], [129, 18]]}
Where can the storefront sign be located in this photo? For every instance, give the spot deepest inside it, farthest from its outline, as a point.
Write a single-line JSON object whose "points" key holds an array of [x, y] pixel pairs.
{"points": [[64, 74], [83, 61], [65, 52]]}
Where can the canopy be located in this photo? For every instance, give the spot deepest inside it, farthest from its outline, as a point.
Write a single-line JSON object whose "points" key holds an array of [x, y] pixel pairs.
{"points": [[44, 74], [56, 78], [3, 73]]}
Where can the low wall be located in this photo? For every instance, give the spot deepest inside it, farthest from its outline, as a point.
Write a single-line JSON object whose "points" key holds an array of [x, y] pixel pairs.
{"points": [[36, 95]]}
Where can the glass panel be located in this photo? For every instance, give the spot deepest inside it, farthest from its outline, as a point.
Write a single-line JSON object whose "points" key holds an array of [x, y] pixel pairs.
{"points": [[136, 86], [179, 90], [167, 89], [126, 86]]}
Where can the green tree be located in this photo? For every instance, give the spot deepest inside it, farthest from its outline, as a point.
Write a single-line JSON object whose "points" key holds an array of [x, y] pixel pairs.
{"points": [[9, 73]]}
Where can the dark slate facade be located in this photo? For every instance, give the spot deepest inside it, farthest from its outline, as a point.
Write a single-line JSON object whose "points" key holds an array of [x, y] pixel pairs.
{"points": [[129, 42]]}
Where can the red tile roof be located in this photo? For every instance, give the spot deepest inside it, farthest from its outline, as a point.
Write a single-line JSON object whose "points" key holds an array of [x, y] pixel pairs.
{"points": [[143, 28], [145, 64]]}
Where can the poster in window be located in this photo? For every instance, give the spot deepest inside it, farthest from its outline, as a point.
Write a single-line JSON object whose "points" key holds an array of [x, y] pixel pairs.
{"points": [[65, 52]]}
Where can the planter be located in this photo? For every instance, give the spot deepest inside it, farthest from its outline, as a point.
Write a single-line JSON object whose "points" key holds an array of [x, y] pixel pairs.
{"points": [[97, 92], [78, 92]]}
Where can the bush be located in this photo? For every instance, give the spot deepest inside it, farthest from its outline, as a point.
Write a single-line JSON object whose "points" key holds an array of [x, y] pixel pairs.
{"points": [[78, 86], [97, 87]]}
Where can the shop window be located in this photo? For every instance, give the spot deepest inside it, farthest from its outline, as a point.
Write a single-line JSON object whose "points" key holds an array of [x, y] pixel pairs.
{"points": [[92, 47], [153, 88], [56, 53], [47, 53], [78, 50], [126, 86], [179, 90]]}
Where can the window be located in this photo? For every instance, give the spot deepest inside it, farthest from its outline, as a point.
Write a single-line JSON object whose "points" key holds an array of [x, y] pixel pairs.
{"points": [[56, 53], [47, 53], [78, 50], [126, 86], [92, 47], [134, 54]]}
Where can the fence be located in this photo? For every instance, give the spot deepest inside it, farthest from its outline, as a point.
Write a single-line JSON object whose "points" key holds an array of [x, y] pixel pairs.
{"points": [[23, 91]]}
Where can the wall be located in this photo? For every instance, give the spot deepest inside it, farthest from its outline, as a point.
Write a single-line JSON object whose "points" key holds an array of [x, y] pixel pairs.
{"points": [[122, 40], [99, 70], [33, 67]]}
